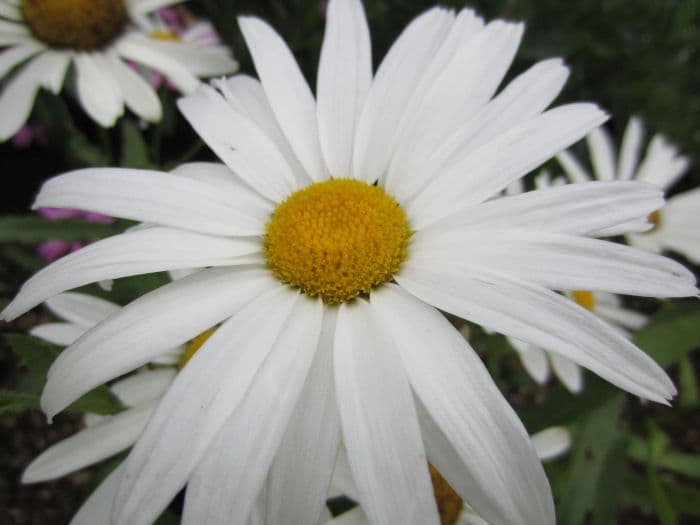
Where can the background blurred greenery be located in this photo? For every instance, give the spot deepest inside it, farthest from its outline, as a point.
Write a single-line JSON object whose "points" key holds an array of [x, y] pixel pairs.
{"points": [[631, 463]]}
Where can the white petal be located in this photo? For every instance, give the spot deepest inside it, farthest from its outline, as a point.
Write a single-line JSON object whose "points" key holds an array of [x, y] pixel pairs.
{"points": [[568, 372], [99, 96], [146, 6], [224, 485], [82, 309], [620, 316], [140, 49], [379, 422], [202, 61], [351, 517], [160, 198], [602, 151], [138, 94], [505, 478], [143, 387], [97, 508], [287, 91], [583, 209], [10, 11], [572, 168], [487, 170], [133, 253], [14, 33], [344, 78], [533, 359], [146, 328], [558, 261], [527, 95], [543, 318], [89, 446], [662, 165], [630, 149], [202, 397], [246, 95], [13, 56], [239, 142], [551, 442], [301, 472], [394, 83], [62, 334]]}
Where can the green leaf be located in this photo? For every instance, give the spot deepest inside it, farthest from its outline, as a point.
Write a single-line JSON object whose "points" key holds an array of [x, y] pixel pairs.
{"points": [[27, 230], [688, 384], [16, 401], [134, 152], [38, 355], [683, 499], [672, 460], [671, 334], [595, 473], [657, 443]]}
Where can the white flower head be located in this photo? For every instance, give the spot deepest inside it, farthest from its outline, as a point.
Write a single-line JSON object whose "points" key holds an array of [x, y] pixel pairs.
{"points": [[673, 227], [99, 37], [336, 229]]}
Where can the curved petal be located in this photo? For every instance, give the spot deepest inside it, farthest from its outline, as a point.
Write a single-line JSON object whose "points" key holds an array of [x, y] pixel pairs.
{"points": [[507, 484], [568, 372], [239, 142], [62, 334], [143, 387], [223, 487], [490, 168], [160, 198], [13, 56], [533, 359], [301, 472], [630, 149], [344, 78], [132, 253], [138, 94], [394, 83], [89, 446], [287, 91], [572, 168], [82, 309], [379, 422], [198, 404], [551, 442], [145, 328], [97, 508], [602, 150], [540, 317], [99, 96]]}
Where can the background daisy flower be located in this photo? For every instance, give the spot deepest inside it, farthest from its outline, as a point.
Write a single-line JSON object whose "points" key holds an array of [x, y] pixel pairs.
{"points": [[335, 233], [675, 226], [96, 37]]}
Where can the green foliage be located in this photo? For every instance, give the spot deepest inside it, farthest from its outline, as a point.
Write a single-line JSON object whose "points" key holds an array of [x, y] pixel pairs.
{"points": [[32, 230]]}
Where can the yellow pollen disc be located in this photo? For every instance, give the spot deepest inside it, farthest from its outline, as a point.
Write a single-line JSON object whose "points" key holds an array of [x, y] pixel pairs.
{"points": [[448, 501], [655, 219], [584, 298], [165, 36], [195, 345], [75, 24], [337, 239]]}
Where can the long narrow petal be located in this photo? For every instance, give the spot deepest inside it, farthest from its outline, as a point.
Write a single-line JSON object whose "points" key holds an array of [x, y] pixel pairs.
{"points": [[630, 149], [394, 83], [90, 445], [138, 94], [239, 142], [301, 472], [132, 253], [13, 56], [533, 359], [159, 198], [141, 388], [541, 317], [487, 170], [602, 149], [568, 372], [82, 309], [507, 482], [97, 508], [109, 350], [289, 94], [62, 334], [578, 209], [202, 397], [573, 168], [379, 422], [344, 78], [225, 483], [202, 61], [558, 261], [99, 96]]}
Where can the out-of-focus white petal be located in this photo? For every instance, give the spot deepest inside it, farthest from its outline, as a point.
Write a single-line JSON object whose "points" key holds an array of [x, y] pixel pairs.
{"points": [[99, 94], [82, 309], [533, 359], [380, 426], [568, 372], [630, 149], [602, 151], [143, 387], [572, 168], [551, 442], [62, 334], [97, 508], [138, 94]]}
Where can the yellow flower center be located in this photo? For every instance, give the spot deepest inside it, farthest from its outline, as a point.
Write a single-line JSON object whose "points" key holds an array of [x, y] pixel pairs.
{"points": [[448, 501], [337, 239], [165, 36], [194, 345], [77, 24], [584, 298], [655, 219]]}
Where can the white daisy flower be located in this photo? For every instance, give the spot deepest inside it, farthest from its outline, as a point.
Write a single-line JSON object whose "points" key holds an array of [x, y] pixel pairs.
{"points": [[537, 362], [549, 444], [97, 37], [336, 230], [675, 226]]}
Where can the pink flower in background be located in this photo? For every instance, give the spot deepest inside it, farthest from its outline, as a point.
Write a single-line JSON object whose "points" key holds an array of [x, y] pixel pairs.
{"points": [[27, 135], [51, 250]]}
